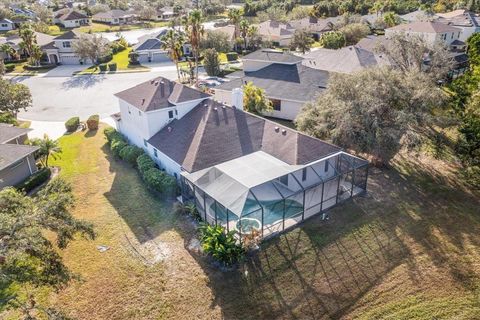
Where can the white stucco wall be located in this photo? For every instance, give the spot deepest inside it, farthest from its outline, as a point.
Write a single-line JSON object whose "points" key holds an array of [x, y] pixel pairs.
{"points": [[429, 37], [288, 110], [134, 125], [164, 162]]}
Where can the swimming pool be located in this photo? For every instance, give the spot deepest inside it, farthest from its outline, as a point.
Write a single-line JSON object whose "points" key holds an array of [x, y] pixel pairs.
{"points": [[252, 214]]}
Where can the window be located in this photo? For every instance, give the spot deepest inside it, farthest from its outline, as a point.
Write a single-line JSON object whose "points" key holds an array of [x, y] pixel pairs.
{"points": [[145, 142], [176, 112], [66, 44], [276, 104], [326, 166], [452, 36], [4, 25], [284, 179], [304, 174], [175, 175], [170, 114], [155, 153], [139, 113], [129, 112]]}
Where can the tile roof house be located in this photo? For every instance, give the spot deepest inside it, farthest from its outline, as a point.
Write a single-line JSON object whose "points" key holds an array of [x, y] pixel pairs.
{"points": [[314, 25], [224, 157], [345, 60], [287, 82], [278, 33], [15, 40], [114, 17], [431, 31], [16, 159], [70, 18]]}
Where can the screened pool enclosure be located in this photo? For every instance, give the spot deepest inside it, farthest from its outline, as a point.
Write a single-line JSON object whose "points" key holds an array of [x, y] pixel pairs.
{"points": [[258, 191]]}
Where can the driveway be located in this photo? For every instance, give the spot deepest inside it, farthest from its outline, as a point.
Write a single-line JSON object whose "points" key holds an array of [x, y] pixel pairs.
{"points": [[58, 98]]}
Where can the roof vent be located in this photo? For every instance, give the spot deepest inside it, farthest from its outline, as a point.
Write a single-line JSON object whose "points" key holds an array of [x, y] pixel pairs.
{"points": [[206, 105], [156, 83], [215, 109], [152, 81], [223, 106], [284, 132], [277, 129], [169, 129]]}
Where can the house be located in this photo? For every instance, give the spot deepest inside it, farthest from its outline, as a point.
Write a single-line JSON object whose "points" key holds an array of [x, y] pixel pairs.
{"points": [[229, 31], [70, 18], [15, 40], [467, 21], [61, 51], [150, 48], [313, 25], [241, 171], [345, 60], [287, 82], [114, 17], [417, 16], [6, 25], [23, 12], [166, 14], [431, 31], [17, 160], [279, 33]]}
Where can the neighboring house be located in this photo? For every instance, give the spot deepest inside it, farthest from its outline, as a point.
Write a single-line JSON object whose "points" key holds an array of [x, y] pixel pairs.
{"points": [[6, 25], [287, 82], [313, 25], [345, 60], [239, 169], [70, 18], [417, 16], [166, 14], [467, 21], [23, 12], [279, 33], [229, 31], [17, 160], [372, 43], [15, 40], [114, 17], [149, 48], [60, 50], [431, 31]]}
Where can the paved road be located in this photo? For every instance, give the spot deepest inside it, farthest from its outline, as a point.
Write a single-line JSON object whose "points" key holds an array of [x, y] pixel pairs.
{"points": [[60, 97]]}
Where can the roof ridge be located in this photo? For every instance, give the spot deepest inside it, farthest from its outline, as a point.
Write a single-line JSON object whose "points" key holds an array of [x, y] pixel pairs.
{"points": [[198, 136]]}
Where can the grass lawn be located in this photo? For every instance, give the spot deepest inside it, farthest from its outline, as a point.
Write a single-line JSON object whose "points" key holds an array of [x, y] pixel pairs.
{"points": [[95, 27], [121, 59], [407, 250], [19, 69]]}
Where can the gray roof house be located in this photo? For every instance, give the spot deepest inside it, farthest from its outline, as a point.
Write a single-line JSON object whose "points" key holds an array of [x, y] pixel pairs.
{"points": [[114, 17], [6, 25], [345, 60], [242, 171], [277, 32], [287, 82], [70, 18], [149, 48], [16, 159]]}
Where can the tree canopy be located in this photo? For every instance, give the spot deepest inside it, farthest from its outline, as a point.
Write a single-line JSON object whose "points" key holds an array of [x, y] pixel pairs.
{"points": [[255, 100], [14, 97]]}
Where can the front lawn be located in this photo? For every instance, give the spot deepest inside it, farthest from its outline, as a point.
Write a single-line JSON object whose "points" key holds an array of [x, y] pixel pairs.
{"points": [[122, 61], [407, 250], [95, 27], [19, 68]]}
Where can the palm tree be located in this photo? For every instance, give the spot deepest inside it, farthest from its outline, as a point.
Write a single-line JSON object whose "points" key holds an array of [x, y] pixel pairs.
{"points": [[235, 15], [9, 50], [47, 148], [173, 42], [29, 42], [244, 28], [252, 33], [194, 30]]}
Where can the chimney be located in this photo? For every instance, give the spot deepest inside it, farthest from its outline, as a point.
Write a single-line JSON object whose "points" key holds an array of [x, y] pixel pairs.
{"points": [[237, 98], [162, 87]]}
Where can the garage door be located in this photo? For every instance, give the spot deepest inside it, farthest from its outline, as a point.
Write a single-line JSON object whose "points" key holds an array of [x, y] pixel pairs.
{"points": [[69, 60], [160, 57], [142, 58]]}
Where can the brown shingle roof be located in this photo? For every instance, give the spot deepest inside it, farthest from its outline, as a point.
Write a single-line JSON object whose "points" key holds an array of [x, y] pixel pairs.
{"points": [[69, 15], [207, 136], [159, 93], [425, 27]]}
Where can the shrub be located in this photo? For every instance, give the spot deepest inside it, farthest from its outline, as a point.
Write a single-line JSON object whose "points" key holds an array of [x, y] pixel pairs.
{"points": [[117, 145], [144, 163], [35, 180], [72, 124], [220, 245], [7, 117], [102, 67], [9, 67], [110, 133], [133, 58], [92, 122], [130, 154], [232, 56], [154, 179], [112, 66]]}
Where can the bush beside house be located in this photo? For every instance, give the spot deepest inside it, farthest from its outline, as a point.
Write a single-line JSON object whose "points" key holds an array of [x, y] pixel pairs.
{"points": [[155, 178], [72, 124], [35, 180]]}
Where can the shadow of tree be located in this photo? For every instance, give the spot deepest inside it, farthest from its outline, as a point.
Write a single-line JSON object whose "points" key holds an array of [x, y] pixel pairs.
{"points": [[83, 82], [322, 269]]}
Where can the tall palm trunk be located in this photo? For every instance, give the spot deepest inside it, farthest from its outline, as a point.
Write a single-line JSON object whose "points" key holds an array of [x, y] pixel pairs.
{"points": [[196, 67]]}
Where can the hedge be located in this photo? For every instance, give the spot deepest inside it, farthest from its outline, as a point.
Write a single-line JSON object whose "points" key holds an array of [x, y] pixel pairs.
{"points": [[130, 154], [144, 162], [112, 66], [109, 132], [117, 145], [9, 67], [35, 180], [72, 124], [92, 122], [232, 56], [102, 67], [160, 181]]}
